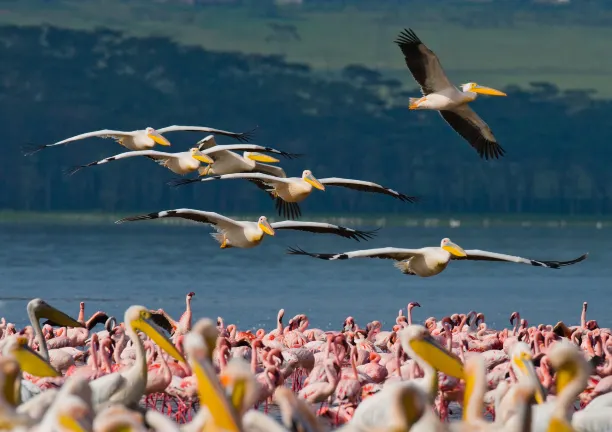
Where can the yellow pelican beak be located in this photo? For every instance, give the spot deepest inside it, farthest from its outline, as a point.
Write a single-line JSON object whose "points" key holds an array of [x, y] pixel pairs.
{"points": [[29, 361], [197, 155], [429, 350], [523, 362], [314, 182], [260, 157], [159, 139], [147, 326], [209, 389], [265, 227], [454, 249], [44, 310], [236, 389], [487, 91], [557, 424], [470, 372], [566, 374]]}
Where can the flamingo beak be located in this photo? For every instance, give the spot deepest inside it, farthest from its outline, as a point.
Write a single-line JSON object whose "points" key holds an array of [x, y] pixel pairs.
{"points": [[260, 157], [487, 91], [198, 155], [454, 249], [430, 350], [30, 362], [147, 326], [265, 227], [210, 390], [524, 363], [310, 179], [159, 139]]}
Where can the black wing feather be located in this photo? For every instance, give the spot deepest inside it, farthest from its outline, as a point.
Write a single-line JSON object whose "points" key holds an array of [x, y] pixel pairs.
{"points": [[299, 251], [415, 58], [386, 191], [288, 210], [345, 232], [471, 133], [169, 213], [558, 264], [160, 320]]}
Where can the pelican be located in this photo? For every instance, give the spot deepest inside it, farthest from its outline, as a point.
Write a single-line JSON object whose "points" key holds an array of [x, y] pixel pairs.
{"points": [[228, 162], [430, 261], [439, 94], [244, 234], [128, 385], [184, 162], [289, 191], [144, 139], [376, 411]]}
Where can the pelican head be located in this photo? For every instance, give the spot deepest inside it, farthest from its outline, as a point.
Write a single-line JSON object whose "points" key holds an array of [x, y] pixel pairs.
{"points": [[41, 309], [29, 361], [475, 88], [416, 340], [522, 364], [259, 157], [310, 179], [139, 318], [239, 383], [571, 366], [156, 136], [199, 156], [263, 225], [452, 248]]}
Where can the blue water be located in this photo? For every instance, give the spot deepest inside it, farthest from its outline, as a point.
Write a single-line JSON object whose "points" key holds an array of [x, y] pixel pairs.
{"points": [[111, 267]]}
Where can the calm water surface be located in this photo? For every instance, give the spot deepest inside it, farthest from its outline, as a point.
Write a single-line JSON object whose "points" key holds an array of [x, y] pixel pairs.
{"points": [[111, 267]]}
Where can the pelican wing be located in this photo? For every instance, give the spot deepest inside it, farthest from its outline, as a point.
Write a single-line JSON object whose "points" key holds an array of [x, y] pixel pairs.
{"points": [[474, 130], [240, 136], [261, 178], [366, 186], [104, 133], [423, 63], [163, 320], [272, 170], [479, 255], [383, 253], [325, 228], [151, 154], [249, 147], [206, 143], [185, 213]]}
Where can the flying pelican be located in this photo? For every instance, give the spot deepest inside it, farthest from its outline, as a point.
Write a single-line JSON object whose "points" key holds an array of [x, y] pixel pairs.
{"points": [[439, 94], [128, 385], [244, 234], [288, 192], [430, 261], [142, 139], [184, 162], [228, 162]]}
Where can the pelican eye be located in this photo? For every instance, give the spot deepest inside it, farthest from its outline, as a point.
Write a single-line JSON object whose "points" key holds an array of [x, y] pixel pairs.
{"points": [[22, 340], [145, 315], [525, 356]]}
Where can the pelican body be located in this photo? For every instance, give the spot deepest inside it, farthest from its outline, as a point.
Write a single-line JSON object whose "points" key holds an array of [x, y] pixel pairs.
{"points": [[430, 261], [246, 234]]}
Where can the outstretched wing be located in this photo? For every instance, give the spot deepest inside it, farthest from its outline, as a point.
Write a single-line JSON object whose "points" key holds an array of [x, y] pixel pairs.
{"points": [[474, 130], [240, 136], [325, 228], [479, 255], [383, 253], [423, 63], [272, 170], [262, 178], [365, 186], [104, 133], [185, 213], [163, 320], [249, 147], [151, 154]]}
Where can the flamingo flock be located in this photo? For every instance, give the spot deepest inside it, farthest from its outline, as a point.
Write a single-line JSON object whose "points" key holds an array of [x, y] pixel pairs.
{"points": [[151, 372]]}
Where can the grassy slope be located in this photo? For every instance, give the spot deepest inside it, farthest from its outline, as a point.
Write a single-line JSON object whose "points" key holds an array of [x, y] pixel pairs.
{"points": [[570, 56]]}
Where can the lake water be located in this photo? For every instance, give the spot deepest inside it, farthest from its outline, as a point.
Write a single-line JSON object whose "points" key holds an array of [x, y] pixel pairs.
{"points": [[111, 267]]}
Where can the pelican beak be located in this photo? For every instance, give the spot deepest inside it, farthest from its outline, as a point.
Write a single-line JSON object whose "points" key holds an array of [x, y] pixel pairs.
{"points": [[260, 157], [454, 249], [314, 182], [198, 155], [265, 227], [57, 317], [430, 350], [557, 424], [487, 91], [470, 383], [566, 374], [236, 389], [159, 139], [147, 326], [31, 362], [524, 363]]}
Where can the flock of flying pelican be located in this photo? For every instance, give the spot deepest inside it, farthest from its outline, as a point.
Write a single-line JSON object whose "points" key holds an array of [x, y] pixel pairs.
{"points": [[114, 390]]}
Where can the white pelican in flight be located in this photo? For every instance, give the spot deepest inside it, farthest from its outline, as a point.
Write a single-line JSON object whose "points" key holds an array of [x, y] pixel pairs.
{"points": [[228, 162], [439, 94], [288, 192], [184, 162], [244, 234], [430, 261], [142, 139]]}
